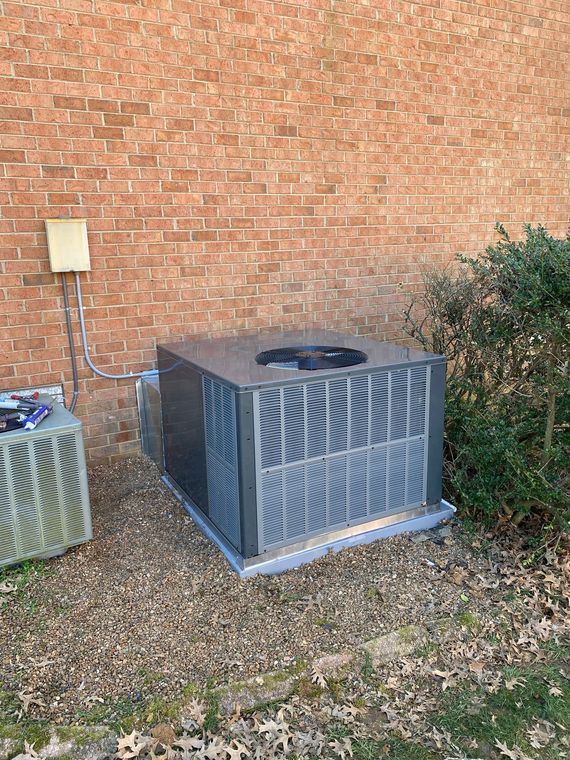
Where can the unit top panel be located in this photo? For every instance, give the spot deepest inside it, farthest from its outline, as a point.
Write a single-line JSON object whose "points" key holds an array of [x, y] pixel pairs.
{"points": [[232, 360]]}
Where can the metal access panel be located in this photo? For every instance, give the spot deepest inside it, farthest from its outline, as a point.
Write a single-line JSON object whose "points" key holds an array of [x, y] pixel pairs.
{"points": [[270, 461], [44, 498]]}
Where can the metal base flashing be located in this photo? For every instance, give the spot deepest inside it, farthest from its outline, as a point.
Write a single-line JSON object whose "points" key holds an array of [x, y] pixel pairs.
{"points": [[294, 555]]}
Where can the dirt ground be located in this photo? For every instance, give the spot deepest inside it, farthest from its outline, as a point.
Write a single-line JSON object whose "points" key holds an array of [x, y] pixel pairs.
{"points": [[150, 605]]}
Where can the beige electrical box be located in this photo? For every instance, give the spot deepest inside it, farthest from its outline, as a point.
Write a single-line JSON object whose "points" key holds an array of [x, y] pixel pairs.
{"points": [[67, 245]]}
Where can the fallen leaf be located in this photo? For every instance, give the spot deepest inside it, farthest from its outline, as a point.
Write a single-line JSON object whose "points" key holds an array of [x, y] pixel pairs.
{"points": [[504, 750], [189, 743], [541, 734], [27, 699], [318, 677], [448, 677], [195, 713], [132, 745], [236, 750], [511, 684], [342, 748]]}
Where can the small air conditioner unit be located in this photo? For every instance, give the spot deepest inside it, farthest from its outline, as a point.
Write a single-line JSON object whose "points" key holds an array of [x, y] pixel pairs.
{"points": [[281, 446], [44, 499]]}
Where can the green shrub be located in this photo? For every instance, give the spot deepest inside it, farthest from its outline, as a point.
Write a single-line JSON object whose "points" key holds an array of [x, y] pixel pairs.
{"points": [[503, 321]]}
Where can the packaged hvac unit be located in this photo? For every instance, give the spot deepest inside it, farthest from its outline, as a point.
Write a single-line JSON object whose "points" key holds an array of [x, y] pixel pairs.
{"points": [[284, 445], [44, 500]]}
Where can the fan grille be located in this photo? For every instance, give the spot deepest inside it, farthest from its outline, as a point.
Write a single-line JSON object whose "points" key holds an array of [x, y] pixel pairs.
{"points": [[311, 357]]}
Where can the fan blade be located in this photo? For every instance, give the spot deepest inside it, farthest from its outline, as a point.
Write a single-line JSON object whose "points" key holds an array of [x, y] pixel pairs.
{"points": [[308, 362]]}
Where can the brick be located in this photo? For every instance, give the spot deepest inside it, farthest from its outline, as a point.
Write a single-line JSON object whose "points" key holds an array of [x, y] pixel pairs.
{"points": [[58, 171], [71, 104], [135, 108], [118, 120], [205, 75], [286, 131], [109, 133], [12, 113], [12, 156], [98, 104], [343, 101]]}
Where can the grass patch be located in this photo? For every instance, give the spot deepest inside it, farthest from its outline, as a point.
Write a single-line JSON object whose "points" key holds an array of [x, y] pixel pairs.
{"points": [[128, 714], [21, 576], [121, 715], [27, 729], [398, 749], [392, 747], [212, 720], [367, 669], [470, 621], [35, 732], [508, 714]]}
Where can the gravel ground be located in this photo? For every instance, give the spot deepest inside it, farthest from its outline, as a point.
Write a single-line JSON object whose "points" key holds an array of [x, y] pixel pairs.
{"points": [[151, 605]]}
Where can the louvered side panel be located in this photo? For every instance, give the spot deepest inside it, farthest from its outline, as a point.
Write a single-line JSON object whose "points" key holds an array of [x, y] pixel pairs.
{"points": [[294, 423], [357, 492], [316, 480], [336, 470], [360, 412], [75, 523], [337, 416], [25, 499], [221, 458], [415, 480], [377, 481], [219, 420], [379, 407], [8, 546], [396, 477], [223, 499], [418, 401], [295, 502], [271, 428], [50, 513], [317, 419], [399, 389], [270, 519]]}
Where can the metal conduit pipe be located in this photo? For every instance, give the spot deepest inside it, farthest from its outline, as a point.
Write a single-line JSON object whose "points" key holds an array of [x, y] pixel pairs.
{"points": [[71, 345], [146, 373]]}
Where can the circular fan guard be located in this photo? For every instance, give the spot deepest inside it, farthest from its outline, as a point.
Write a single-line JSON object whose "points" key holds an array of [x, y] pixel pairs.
{"points": [[311, 357]]}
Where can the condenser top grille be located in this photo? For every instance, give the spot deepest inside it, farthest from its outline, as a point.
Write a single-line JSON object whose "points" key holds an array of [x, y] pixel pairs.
{"points": [[311, 357]]}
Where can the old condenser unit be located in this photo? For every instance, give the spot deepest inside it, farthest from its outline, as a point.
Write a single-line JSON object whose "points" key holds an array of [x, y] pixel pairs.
{"points": [[284, 445], [44, 498]]}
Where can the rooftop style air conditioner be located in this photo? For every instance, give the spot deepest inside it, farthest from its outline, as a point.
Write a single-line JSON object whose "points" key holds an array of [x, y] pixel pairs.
{"points": [[44, 499], [284, 445]]}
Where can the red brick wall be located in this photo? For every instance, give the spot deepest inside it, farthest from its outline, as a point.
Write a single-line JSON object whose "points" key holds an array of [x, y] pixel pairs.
{"points": [[246, 164]]}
